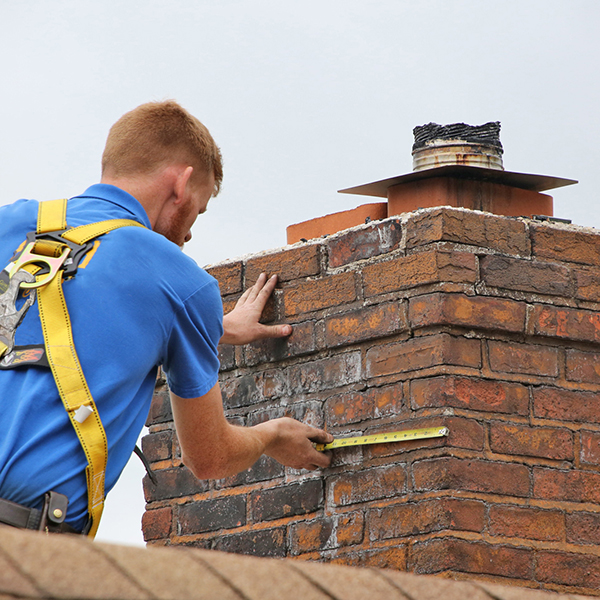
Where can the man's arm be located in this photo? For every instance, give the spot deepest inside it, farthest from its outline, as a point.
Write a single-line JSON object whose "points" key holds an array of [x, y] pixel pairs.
{"points": [[212, 448], [241, 325]]}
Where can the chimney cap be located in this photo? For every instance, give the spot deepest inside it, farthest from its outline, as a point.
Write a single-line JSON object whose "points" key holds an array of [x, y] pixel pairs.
{"points": [[526, 181]]}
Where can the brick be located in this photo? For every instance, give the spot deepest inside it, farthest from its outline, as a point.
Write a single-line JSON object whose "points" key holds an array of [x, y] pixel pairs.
{"points": [[472, 557], [565, 245], [564, 568], [325, 374], [317, 294], [418, 518], [173, 483], [380, 558], [310, 536], [265, 542], [359, 244], [587, 283], [528, 359], [158, 446], [566, 405], [353, 407], [264, 469], [287, 501], [229, 277], [472, 394], [349, 529], [567, 486], [288, 264], [365, 324], [367, 485], [583, 367], [160, 409], [508, 236], [157, 524], [569, 323], [301, 342], [226, 357], [211, 515], [419, 269], [474, 312], [544, 442], [526, 275], [583, 528], [421, 353], [240, 391], [590, 447], [447, 473], [528, 523]]}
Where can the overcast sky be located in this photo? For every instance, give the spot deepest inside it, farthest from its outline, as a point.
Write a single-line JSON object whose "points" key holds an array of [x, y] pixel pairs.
{"points": [[304, 98]]}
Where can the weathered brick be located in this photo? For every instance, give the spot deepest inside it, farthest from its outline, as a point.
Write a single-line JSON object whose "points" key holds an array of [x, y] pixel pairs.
{"points": [[349, 528], [288, 264], [421, 353], [566, 405], [583, 367], [279, 502], [522, 440], [568, 486], [590, 447], [265, 542], [358, 244], [473, 394], [379, 558], [364, 486], [160, 409], [173, 483], [226, 357], [474, 312], [157, 523], [158, 446], [528, 523], [472, 557], [471, 475], [583, 528], [229, 277], [528, 359], [570, 323], [309, 412], [325, 374], [264, 469], [301, 342], [526, 275], [212, 515], [365, 324], [353, 407], [309, 536], [468, 227], [419, 269], [240, 391], [587, 283], [567, 245], [564, 568], [417, 518], [317, 294]]}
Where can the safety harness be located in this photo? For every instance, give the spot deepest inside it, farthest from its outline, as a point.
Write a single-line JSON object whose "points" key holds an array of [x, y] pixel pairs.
{"points": [[48, 256]]}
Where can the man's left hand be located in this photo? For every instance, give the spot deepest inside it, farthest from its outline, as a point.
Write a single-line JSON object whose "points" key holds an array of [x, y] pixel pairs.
{"points": [[242, 326]]}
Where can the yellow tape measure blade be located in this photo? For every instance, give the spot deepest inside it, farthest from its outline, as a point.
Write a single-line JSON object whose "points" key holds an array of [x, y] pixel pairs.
{"points": [[385, 438]]}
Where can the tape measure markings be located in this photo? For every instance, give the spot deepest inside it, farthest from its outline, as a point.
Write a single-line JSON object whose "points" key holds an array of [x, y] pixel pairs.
{"points": [[383, 438]]}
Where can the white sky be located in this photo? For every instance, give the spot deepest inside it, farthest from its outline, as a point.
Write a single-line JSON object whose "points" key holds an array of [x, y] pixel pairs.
{"points": [[304, 98]]}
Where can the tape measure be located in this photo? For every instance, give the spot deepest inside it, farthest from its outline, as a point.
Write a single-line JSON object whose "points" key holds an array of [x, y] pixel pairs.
{"points": [[385, 438]]}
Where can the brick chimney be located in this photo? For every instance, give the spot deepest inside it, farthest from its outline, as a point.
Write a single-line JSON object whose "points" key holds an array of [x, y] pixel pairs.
{"points": [[486, 324]]}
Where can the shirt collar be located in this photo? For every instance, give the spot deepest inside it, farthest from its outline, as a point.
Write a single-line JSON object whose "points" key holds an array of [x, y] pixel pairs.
{"points": [[123, 199]]}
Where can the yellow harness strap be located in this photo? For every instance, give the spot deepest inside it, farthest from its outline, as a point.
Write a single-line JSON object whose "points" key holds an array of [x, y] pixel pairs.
{"points": [[62, 357]]}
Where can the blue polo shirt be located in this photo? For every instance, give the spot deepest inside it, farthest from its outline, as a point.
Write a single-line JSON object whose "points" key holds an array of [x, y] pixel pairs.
{"points": [[139, 303]]}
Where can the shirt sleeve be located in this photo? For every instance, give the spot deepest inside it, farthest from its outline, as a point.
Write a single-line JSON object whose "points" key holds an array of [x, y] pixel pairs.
{"points": [[192, 362]]}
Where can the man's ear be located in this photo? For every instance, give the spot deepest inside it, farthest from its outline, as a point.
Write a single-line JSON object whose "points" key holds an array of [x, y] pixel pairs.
{"points": [[181, 182]]}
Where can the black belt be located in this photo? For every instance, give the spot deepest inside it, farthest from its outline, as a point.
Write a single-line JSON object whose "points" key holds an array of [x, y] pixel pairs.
{"points": [[50, 518]]}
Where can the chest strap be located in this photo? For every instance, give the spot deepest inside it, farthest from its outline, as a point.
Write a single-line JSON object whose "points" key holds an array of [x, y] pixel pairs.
{"points": [[60, 348]]}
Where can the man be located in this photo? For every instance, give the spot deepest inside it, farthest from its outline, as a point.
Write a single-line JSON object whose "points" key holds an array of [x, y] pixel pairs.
{"points": [[136, 302]]}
